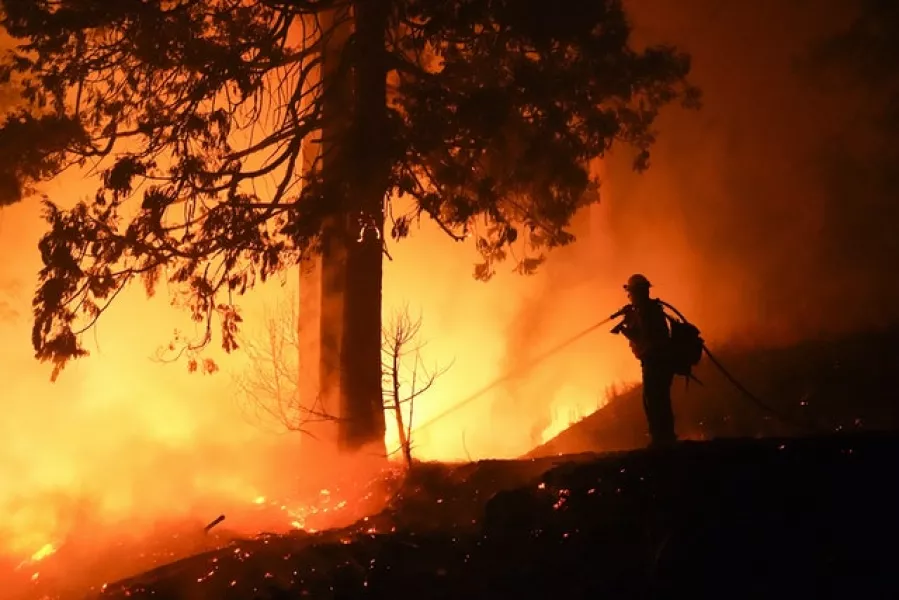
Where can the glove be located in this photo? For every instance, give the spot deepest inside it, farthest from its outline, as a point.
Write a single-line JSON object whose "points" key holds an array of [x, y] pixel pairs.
{"points": [[627, 308]]}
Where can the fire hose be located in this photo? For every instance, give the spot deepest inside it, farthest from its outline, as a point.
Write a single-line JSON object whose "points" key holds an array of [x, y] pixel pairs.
{"points": [[564, 344], [739, 386], [509, 375], [752, 397]]}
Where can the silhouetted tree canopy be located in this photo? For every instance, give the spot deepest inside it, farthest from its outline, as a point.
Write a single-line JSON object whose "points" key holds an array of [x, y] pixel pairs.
{"points": [[186, 107]]}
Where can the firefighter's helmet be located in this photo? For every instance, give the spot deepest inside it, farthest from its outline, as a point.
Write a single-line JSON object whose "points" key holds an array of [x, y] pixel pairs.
{"points": [[636, 282]]}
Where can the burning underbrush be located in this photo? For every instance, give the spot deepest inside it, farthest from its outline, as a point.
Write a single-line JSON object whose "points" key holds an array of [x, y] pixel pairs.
{"points": [[94, 554]]}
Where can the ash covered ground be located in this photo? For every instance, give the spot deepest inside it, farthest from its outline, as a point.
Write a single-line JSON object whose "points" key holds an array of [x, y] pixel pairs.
{"points": [[808, 517], [797, 503]]}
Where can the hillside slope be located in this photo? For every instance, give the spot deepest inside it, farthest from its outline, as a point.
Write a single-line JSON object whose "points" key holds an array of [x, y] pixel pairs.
{"points": [[842, 384]]}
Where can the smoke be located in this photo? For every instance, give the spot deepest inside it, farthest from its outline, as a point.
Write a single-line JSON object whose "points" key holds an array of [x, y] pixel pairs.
{"points": [[754, 220], [747, 185]]}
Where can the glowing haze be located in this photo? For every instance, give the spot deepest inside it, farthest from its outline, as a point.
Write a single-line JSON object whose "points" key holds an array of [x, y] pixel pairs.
{"points": [[728, 224]]}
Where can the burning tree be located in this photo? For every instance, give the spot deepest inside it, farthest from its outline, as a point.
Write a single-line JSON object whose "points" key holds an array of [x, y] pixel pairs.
{"points": [[482, 115]]}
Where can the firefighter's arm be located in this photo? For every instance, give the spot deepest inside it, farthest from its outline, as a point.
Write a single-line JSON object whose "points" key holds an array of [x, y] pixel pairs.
{"points": [[623, 329], [622, 326]]}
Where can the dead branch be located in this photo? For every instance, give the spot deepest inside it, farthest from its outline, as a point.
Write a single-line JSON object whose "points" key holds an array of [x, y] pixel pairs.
{"points": [[270, 385]]}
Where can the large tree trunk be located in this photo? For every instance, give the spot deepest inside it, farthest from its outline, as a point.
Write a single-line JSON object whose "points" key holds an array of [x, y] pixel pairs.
{"points": [[362, 401], [323, 283], [345, 288]]}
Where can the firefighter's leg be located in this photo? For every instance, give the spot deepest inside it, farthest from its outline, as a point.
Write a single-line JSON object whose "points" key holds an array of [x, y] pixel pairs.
{"points": [[657, 403], [664, 409], [646, 410], [650, 384]]}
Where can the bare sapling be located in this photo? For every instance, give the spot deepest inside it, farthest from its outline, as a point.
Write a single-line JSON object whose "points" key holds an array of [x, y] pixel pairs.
{"points": [[406, 377], [269, 385]]}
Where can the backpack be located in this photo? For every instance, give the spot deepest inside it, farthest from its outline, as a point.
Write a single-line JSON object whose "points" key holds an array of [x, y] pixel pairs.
{"points": [[686, 343], [686, 347]]}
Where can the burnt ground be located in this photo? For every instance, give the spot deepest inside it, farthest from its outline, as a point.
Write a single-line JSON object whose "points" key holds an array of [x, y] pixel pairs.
{"points": [[800, 507], [799, 518]]}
